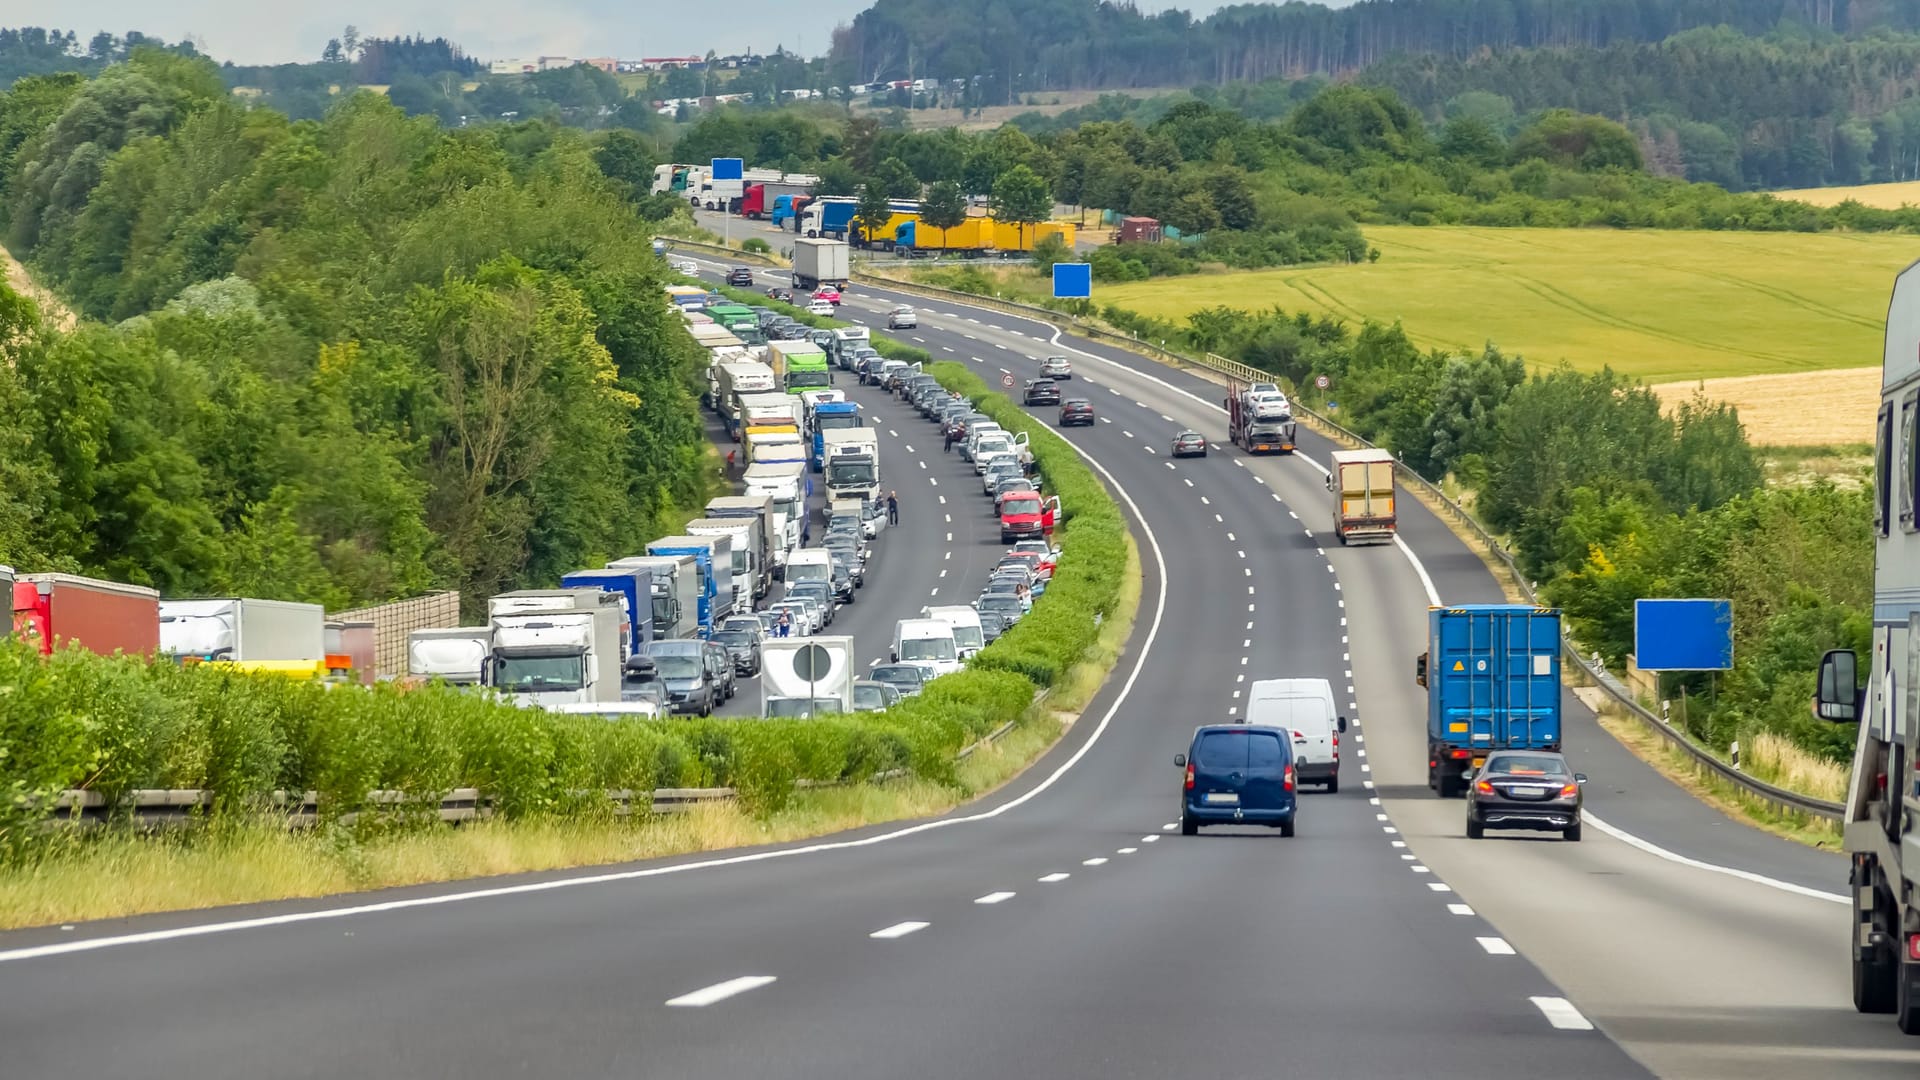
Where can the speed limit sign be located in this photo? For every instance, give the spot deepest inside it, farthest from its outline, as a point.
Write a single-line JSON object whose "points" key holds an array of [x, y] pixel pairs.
{"points": [[1007, 380], [1322, 382]]}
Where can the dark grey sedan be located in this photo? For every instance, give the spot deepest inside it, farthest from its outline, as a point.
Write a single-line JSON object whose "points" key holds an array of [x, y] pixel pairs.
{"points": [[1525, 789], [743, 647]]}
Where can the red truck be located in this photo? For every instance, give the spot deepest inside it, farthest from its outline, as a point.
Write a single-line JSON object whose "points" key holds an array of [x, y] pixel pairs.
{"points": [[105, 617]]}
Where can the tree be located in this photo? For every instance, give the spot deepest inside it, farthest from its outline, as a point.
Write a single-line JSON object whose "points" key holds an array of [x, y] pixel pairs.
{"points": [[897, 180], [625, 160], [1572, 140], [944, 207], [1232, 195], [871, 213], [837, 178], [1467, 137], [350, 43], [1193, 214], [333, 53], [1022, 197]]}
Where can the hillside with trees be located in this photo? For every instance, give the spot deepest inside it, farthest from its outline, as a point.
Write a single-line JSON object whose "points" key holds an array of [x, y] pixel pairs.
{"points": [[336, 361]]}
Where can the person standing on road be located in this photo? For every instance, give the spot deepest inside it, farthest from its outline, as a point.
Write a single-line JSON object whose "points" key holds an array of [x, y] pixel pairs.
{"points": [[730, 454], [786, 623], [948, 448], [893, 508]]}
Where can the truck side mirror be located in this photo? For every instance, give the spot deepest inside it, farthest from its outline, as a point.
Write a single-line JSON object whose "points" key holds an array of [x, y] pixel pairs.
{"points": [[1837, 699], [1180, 761], [1329, 481], [1420, 670]]}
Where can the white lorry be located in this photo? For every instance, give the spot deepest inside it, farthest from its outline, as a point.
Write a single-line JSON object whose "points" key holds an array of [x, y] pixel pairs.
{"points": [[806, 676], [789, 485], [243, 630], [552, 646], [818, 261], [675, 593], [461, 655], [770, 534], [852, 463], [752, 577]]}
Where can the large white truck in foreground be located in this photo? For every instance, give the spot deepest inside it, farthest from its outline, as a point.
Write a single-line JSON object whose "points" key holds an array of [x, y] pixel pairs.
{"points": [[552, 646], [852, 463]]}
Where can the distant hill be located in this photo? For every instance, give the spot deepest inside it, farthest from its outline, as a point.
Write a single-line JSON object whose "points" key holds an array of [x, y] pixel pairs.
{"points": [[35, 50]]}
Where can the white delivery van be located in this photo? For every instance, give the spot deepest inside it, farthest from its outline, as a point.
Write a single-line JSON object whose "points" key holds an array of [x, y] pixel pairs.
{"points": [[1304, 707], [968, 637], [810, 564], [927, 644]]}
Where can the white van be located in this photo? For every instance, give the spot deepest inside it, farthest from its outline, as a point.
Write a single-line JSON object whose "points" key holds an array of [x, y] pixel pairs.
{"points": [[1304, 707], [809, 564], [968, 637], [927, 644]]}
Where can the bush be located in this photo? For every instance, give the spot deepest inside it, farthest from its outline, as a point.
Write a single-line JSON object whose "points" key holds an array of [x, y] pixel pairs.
{"points": [[755, 245]]}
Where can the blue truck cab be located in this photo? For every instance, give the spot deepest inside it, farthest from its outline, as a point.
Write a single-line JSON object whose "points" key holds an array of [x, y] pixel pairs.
{"points": [[712, 606], [1492, 673], [827, 416], [635, 587], [1238, 774]]}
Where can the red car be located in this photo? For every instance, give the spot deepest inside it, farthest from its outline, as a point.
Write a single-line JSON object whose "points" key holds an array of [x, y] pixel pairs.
{"points": [[1076, 411], [828, 293]]}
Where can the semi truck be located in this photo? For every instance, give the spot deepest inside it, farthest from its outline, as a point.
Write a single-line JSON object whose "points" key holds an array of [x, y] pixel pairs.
{"points": [[790, 488], [555, 646], [825, 219], [806, 676], [1362, 485], [634, 586], [787, 210], [852, 463], [53, 611], [832, 416], [6, 584], [713, 555], [735, 381], [775, 446], [818, 262], [1253, 432], [1492, 676], [244, 631], [752, 575], [770, 411], [772, 527], [979, 235], [760, 200], [674, 593], [461, 655], [1883, 793], [800, 365]]}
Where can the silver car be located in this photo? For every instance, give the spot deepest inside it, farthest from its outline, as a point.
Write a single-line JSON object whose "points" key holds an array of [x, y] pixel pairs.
{"points": [[902, 318]]}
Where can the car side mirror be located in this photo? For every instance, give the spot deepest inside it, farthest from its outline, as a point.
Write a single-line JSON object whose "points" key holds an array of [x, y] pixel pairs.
{"points": [[1180, 761], [1837, 697], [1579, 778], [1420, 670], [1467, 775], [1343, 723]]}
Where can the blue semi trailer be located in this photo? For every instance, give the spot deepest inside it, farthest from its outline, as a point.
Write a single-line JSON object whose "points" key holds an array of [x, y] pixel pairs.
{"points": [[1492, 673]]}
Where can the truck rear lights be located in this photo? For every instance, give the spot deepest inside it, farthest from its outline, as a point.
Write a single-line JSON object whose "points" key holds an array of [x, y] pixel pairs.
{"points": [[1459, 755]]}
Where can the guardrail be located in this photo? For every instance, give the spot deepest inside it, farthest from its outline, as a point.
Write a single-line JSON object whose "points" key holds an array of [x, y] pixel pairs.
{"points": [[1457, 516]]}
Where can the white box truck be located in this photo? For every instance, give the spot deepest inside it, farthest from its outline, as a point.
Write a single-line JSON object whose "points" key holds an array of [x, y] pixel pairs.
{"points": [[819, 261], [806, 676], [552, 646], [772, 535], [461, 655], [675, 593], [752, 577], [243, 630]]}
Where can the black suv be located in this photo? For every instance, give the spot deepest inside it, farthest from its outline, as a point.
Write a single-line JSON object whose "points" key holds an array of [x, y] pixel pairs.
{"points": [[740, 275], [1076, 411], [1041, 392]]}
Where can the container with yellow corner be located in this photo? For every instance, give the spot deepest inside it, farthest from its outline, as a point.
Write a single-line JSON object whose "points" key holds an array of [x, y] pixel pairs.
{"points": [[1493, 683]]}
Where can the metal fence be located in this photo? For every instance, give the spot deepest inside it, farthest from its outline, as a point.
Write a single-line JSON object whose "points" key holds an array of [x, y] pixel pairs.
{"points": [[1457, 517]]}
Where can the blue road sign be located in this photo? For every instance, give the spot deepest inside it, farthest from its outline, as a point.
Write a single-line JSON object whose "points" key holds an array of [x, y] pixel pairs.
{"points": [[1073, 281], [1683, 635], [728, 168]]}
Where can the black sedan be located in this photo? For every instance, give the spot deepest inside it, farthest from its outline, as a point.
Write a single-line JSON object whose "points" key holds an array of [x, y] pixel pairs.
{"points": [[743, 647], [1525, 789], [1076, 411], [1189, 444], [741, 276], [1041, 392]]}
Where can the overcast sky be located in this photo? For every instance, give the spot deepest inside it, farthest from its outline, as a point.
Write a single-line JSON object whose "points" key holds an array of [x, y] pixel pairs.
{"points": [[250, 31]]}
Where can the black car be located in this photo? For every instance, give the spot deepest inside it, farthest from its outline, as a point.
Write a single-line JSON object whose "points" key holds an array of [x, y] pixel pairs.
{"points": [[1041, 392], [1525, 789], [1076, 411], [740, 275], [1189, 444], [743, 646]]}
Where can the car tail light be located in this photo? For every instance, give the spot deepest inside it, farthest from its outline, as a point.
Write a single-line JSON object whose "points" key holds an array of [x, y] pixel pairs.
{"points": [[1299, 736], [1286, 781], [1483, 787], [1189, 776], [1336, 746], [1568, 791], [1913, 946]]}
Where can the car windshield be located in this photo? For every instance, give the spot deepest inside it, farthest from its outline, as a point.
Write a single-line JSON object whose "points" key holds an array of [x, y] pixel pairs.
{"points": [[904, 674], [679, 667], [927, 649], [1528, 765], [528, 673], [1014, 504], [734, 637], [869, 697], [843, 471]]}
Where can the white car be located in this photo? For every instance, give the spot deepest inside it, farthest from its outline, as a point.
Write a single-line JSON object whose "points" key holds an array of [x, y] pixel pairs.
{"points": [[687, 267], [903, 318], [1272, 406], [1056, 367], [819, 307]]}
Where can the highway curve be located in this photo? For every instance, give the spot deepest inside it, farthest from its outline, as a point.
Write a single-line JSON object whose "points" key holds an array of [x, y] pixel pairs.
{"points": [[1059, 925]]}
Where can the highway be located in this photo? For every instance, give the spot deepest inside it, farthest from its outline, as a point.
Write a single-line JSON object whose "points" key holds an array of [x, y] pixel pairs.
{"points": [[1060, 925]]}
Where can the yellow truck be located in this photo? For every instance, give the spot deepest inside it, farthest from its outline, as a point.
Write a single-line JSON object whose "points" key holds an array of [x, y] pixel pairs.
{"points": [[978, 235], [1362, 487]]}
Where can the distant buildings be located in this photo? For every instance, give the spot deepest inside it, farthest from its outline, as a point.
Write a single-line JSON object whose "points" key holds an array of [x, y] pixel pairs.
{"points": [[611, 66]]}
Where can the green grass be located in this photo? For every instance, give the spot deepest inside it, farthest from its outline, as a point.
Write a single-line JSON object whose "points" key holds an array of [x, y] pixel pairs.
{"points": [[1662, 305]]}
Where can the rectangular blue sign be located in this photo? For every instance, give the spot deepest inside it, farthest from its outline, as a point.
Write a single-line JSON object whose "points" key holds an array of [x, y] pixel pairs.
{"points": [[1683, 635], [728, 168], [1073, 281]]}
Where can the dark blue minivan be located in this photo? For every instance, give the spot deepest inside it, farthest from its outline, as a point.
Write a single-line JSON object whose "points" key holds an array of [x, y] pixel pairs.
{"points": [[1237, 774]]}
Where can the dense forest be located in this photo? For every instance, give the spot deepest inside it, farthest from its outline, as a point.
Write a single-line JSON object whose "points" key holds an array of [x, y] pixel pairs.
{"points": [[34, 50], [338, 361]]}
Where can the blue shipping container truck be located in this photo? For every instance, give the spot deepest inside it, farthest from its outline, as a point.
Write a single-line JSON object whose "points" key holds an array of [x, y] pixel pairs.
{"points": [[635, 586], [836, 217], [827, 416], [713, 606], [1492, 673]]}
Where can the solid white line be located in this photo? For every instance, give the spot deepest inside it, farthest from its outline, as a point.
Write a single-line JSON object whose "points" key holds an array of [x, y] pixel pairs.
{"points": [[720, 991], [1051, 878], [1426, 582], [1659, 852], [1096, 861], [1495, 946], [994, 898], [899, 930], [1561, 1013], [1459, 909]]}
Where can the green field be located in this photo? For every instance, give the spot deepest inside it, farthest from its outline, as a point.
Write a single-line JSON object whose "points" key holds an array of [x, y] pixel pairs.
{"points": [[1657, 304]]}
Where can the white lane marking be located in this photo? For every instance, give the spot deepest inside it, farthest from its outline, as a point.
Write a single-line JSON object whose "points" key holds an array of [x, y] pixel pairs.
{"points": [[923, 464], [1419, 869], [1096, 861], [943, 502], [1169, 464], [949, 538], [936, 592], [720, 991], [934, 480], [1204, 501], [943, 573], [947, 555], [1495, 946], [1169, 420], [1148, 839], [1112, 391], [1106, 419], [1170, 826], [1381, 817], [1248, 569], [1398, 843], [899, 930], [1051, 878], [1408, 858], [1561, 1013], [1439, 886], [1375, 801], [921, 340], [1129, 435], [1127, 850], [1659, 852], [1188, 480], [946, 348], [1459, 909], [999, 346], [1231, 539], [1242, 554], [994, 898], [1426, 582], [909, 447]]}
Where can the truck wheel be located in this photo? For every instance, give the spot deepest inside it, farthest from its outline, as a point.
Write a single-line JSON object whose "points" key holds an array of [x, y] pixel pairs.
{"points": [[1450, 786], [1475, 830], [1906, 1009], [1874, 988]]}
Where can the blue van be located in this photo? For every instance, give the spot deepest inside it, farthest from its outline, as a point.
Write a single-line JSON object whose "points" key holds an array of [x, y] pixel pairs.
{"points": [[1237, 774]]}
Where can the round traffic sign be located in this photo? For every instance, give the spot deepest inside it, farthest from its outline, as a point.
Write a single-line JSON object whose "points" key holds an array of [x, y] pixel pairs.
{"points": [[1007, 380], [1322, 381], [812, 663]]}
